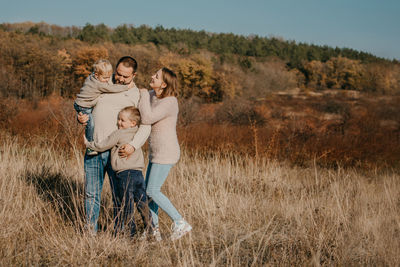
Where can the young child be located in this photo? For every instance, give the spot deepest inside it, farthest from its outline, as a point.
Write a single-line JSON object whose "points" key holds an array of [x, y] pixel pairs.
{"points": [[160, 109], [130, 186], [97, 83]]}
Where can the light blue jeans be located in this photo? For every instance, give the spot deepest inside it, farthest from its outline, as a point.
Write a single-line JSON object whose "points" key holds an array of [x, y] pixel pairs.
{"points": [[155, 178], [95, 169]]}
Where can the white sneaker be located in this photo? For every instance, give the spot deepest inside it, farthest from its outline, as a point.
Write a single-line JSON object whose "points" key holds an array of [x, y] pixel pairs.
{"points": [[91, 152], [180, 228]]}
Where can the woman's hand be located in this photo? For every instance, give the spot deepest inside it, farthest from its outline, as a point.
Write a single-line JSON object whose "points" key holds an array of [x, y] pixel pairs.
{"points": [[125, 151], [83, 118]]}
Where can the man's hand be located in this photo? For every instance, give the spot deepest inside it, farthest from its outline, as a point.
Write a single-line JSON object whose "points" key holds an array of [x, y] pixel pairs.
{"points": [[83, 118], [125, 151]]}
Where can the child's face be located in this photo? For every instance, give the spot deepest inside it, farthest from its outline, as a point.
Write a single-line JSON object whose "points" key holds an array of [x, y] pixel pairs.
{"points": [[104, 78], [124, 122], [157, 82]]}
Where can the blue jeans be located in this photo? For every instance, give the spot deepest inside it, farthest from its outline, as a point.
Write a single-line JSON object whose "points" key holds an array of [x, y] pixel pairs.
{"points": [[89, 129], [130, 189], [155, 178], [95, 169]]}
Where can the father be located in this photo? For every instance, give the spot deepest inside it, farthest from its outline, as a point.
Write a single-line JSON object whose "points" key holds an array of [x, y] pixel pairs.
{"points": [[105, 115]]}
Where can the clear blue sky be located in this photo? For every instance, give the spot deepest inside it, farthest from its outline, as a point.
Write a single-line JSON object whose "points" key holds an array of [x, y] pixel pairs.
{"points": [[367, 25]]}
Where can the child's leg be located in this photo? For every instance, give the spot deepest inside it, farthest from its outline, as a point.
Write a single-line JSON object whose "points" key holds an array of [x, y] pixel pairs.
{"points": [[128, 209], [156, 178], [118, 196], [89, 129], [140, 198]]}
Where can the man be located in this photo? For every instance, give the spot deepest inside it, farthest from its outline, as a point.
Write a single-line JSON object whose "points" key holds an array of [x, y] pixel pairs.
{"points": [[105, 115]]}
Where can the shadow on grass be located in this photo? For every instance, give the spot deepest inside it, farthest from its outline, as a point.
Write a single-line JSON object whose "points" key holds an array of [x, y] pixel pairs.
{"points": [[64, 194], [66, 197]]}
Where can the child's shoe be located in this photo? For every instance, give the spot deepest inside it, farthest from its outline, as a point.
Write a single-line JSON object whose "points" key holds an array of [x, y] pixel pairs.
{"points": [[91, 152], [180, 228]]}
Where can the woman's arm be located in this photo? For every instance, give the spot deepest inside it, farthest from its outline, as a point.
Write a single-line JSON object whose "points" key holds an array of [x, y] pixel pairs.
{"points": [[151, 115], [138, 141]]}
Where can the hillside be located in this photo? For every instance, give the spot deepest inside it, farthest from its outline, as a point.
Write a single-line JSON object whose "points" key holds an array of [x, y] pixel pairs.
{"points": [[211, 66]]}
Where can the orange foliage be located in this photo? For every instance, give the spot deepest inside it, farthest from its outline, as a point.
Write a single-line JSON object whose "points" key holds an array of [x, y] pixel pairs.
{"points": [[84, 60]]}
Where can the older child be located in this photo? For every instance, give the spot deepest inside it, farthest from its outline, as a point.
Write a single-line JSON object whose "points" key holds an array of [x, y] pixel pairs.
{"points": [[95, 84], [160, 109], [130, 186]]}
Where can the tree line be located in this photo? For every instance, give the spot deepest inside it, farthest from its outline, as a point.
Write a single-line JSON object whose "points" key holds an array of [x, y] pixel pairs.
{"points": [[39, 59], [186, 41]]}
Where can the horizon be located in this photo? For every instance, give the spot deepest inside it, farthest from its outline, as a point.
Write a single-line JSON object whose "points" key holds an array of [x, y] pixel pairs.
{"points": [[367, 26]]}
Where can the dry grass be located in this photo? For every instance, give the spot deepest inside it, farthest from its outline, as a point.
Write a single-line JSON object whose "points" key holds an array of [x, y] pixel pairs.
{"points": [[244, 212]]}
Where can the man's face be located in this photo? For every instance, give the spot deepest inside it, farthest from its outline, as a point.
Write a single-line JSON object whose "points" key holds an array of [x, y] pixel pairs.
{"points": [[123, 75]]}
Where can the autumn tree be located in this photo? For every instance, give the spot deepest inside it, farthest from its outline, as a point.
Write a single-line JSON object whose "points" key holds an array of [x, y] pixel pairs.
{"points": [[336, 73], [84, 60]]}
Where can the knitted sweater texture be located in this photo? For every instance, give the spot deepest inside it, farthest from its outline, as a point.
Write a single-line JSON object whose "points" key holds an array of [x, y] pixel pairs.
{"points": [[162, 114]]}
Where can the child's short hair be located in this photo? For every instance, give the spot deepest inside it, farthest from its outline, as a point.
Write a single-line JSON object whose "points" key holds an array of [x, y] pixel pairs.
{"points": [[133, 114], [170, 79], [102, 66]]}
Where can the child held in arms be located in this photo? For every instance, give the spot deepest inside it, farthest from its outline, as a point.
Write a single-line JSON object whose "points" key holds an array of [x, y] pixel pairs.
{"points": [[130, 185], [97, 83]]}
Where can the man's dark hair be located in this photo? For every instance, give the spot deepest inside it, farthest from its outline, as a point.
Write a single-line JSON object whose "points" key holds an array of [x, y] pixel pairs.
{"points": [[128, 62]]}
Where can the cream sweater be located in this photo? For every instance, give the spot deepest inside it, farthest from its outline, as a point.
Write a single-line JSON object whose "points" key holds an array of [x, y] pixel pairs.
{"points": [[105, 115], [162, 114]]}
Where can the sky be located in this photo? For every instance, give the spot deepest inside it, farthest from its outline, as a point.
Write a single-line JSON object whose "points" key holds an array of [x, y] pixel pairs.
{"points": [[371, 26]]}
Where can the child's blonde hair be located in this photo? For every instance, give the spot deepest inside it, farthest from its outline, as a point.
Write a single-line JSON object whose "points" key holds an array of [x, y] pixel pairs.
{"points": [[133, 114], [102, 66]]}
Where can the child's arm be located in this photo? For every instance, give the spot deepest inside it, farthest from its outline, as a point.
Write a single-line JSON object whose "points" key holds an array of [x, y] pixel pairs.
{"points": [[152, 115], [106, 144], [111, 88]]}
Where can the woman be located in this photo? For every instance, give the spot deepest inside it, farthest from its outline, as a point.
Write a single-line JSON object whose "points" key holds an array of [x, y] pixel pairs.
{"points": [[159, 108]]}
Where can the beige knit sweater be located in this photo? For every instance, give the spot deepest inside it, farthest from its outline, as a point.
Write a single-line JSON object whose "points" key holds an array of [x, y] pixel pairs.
{"points": [[162, 114], [113, 142], [105, 115], [93, 88]]}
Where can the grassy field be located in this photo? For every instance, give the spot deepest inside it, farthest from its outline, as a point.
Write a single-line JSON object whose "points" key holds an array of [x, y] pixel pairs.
{"points": [[244, 211]]}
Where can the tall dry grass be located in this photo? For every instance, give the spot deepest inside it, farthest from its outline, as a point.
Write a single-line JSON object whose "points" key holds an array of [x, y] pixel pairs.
{"points": [[243, 211]]}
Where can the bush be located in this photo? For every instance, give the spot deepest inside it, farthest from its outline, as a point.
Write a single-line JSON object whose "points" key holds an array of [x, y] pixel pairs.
{"points": [[239, 112]]}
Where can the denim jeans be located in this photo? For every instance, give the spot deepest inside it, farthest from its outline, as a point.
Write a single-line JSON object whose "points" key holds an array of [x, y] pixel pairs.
{"points": [[130, 190], [155, 178], [89, 129], [95, 169]]}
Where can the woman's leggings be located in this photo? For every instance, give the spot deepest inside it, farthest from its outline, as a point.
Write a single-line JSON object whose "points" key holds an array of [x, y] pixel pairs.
{"points": [[155, 178]]}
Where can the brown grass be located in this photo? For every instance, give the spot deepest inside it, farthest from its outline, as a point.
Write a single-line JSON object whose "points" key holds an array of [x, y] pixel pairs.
{"points": [[245, 210]]}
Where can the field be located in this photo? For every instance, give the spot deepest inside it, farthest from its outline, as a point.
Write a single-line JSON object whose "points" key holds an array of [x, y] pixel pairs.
{"points": [[250, 204]]}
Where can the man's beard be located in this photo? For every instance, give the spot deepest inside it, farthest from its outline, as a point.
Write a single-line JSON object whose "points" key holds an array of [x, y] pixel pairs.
{"points": [[119, 82]]}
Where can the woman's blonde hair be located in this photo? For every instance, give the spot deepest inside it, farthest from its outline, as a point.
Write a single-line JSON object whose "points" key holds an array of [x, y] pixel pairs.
{"points": [[170, 79], [102, 66]]}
